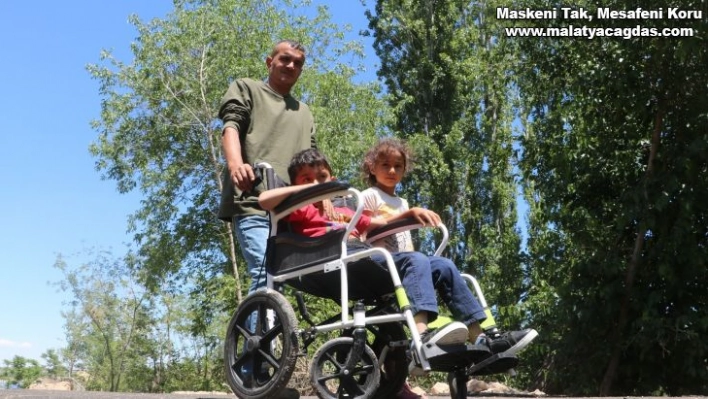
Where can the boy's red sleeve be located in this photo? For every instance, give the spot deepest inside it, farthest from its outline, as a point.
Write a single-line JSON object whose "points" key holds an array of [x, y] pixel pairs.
{"points": [[362, 224]]}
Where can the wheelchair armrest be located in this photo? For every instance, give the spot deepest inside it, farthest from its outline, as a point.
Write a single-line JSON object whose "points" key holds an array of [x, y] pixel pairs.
{"points": [[391, 228], [302, 197], [402, 225]]}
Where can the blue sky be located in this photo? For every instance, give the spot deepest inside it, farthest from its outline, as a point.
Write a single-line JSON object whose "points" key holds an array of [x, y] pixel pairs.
{"points": [[53, 201]]}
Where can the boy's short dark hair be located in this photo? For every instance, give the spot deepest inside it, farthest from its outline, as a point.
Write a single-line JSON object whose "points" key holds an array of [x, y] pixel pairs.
{"points": [[308, 157]]}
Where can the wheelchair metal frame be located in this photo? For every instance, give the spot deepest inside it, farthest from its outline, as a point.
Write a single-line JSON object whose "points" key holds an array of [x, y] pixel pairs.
{"points": [[356, 319]]}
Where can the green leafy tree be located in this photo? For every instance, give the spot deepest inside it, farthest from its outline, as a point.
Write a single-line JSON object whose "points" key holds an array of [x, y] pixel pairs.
{"points": [[158, 133], [128, 338], [614, 166], [75, 351], [22, 371], [53, 364], [112, 313], [446, 72]]}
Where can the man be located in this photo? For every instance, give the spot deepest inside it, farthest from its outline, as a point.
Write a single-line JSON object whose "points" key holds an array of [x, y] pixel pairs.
{"points": [[262, 123]]}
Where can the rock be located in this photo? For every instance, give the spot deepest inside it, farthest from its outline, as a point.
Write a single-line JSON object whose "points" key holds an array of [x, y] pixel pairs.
{"points": [[419, 391], [439, 389], [478, 387], [498, 387], [49, 384], [474, 386], [61, 384]]}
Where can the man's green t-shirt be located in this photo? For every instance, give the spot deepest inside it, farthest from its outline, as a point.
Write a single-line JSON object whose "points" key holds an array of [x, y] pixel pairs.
{"points": [[272, 128]]}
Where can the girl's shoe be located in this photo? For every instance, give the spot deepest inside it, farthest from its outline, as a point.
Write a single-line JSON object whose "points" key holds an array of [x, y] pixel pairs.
{"points": [[407, 393]]}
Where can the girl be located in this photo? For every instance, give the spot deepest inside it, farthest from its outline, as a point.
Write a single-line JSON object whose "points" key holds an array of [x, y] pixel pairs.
{"points": [[384, 167]]}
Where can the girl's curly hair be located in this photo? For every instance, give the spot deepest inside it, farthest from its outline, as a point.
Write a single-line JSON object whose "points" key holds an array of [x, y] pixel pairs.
{"points": [[383, 147]]}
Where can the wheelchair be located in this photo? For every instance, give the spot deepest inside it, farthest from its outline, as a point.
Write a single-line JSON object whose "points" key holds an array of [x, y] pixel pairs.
{"points": [[370, 356]]}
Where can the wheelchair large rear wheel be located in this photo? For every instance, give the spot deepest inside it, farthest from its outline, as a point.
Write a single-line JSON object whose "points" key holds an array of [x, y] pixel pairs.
{"points": [[332, 379], [261, 346]]}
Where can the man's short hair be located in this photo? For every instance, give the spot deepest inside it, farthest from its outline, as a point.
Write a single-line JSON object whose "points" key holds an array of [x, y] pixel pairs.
{"points": [[292, 43]]}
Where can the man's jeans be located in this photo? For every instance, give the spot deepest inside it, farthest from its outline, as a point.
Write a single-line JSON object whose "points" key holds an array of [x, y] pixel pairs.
{"points": [[252, 234]]}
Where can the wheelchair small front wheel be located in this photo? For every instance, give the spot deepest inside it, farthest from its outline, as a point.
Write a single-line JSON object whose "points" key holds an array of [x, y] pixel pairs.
{"points": [[457, 380], [332, 379], [261, 345]]}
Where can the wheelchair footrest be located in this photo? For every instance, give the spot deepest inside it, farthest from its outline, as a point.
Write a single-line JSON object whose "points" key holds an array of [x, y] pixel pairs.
{"points": [[455, 357], [494, 364]]}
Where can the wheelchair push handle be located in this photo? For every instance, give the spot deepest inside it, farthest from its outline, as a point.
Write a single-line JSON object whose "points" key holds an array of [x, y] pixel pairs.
{"points": [[264, 172]]}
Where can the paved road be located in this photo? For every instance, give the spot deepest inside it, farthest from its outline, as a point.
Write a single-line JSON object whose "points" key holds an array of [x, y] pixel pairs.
{"points": [[37, 394], [40, 394]]}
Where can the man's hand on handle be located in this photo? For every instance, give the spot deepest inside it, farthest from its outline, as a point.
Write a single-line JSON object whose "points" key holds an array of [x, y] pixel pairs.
{"points": [[243, 177], [241, 173]]}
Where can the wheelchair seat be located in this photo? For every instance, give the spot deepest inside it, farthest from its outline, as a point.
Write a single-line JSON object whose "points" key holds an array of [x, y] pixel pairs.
{"points": [[289, 252]]}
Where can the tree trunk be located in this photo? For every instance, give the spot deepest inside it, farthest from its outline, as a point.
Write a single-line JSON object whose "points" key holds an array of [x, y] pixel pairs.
{"points": [[616, 339]]}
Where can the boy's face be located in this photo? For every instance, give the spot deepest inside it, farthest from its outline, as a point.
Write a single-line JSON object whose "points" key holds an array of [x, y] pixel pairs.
{"points": [[310, 174]]}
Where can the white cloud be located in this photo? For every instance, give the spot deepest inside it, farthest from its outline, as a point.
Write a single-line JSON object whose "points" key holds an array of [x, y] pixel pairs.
{"points": [[6, 343]]}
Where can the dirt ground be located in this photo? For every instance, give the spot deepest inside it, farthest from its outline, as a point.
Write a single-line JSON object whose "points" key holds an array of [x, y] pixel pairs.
{"points": [[53, 389], [41, 394], [475, 387]]}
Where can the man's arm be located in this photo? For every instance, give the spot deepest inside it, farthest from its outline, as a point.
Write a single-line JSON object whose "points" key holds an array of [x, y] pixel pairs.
{"points": [[241, 174], [235, 113]]}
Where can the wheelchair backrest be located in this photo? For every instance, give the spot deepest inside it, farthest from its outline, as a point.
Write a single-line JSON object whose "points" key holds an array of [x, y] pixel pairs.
{"points": [[288, 252]]}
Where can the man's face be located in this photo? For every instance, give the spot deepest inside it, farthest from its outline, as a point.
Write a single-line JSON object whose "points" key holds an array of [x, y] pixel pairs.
{"points": [[284, 67], [310, 174]]}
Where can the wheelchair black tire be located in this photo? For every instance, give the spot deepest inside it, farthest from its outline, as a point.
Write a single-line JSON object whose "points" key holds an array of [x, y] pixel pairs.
{"points": [[457, 380], [333, 383], [271, 351], [394, 364]]}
